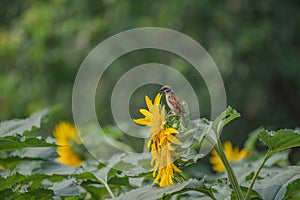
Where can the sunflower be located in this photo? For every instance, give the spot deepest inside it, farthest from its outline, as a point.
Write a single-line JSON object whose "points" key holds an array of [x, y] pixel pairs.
{"points": [[232, 154], [67, 139], [160, 142]]}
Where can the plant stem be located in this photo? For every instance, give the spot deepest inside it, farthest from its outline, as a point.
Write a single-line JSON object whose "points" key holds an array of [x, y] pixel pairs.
{"points": [[231, 175], [107, 187], [267, 156]]}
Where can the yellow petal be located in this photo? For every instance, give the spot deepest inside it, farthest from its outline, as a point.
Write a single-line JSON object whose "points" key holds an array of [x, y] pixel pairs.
{"points": [[157, 99], [174, 140], [171, 130], [148, 102], [149, 143], [145, 112], [175, 168], [218, 168], [215, 160], [243, 153], [227, 147], [142, 121], [170, 148], [163, 112]]}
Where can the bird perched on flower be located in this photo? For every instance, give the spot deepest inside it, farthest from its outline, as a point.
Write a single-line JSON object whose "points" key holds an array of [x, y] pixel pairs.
{"points": [[173, 102]]}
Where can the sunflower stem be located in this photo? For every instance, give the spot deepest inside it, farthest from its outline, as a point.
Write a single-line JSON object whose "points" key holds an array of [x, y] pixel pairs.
{"points": [[267, 156], [107, 188], [231, 175]]}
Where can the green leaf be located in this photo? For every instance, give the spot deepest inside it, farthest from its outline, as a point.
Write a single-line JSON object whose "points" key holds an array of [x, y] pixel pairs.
{"points": [[23, 180], [253, 194], [6, 193], [245, 169], [19, 126], [192, 139], [13, 161], [86, 176], [224, 118], [65, 188], [46, 153], [222, 190], [103, 173], [293, 190], [16, 142], [280, 140], [40, 193], [132, 165], [51, 168], [97, 191], [150, 192], [275, 182], [119, 181], [198, 139], [10, 181]]}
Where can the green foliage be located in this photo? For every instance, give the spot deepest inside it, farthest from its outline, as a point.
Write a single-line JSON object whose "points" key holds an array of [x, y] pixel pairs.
{"points": [[42, 44], [281, 139], [31, 172], [274, 182], [19, 126], [223, 119], [152, 192], [15, 142]]}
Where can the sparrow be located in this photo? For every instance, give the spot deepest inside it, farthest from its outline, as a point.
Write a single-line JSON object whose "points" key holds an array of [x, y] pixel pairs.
{"points": [[173, 101]]}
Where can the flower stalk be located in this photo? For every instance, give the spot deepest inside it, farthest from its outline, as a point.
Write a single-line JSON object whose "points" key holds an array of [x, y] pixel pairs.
{"points": [[267, 156], [231, 175]]}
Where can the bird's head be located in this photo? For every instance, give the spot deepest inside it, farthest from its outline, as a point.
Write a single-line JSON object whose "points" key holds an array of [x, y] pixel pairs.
{"points": [[166, 89]]}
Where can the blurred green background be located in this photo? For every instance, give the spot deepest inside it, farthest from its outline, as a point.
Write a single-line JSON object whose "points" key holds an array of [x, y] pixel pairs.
{"points": [[255, 44]]}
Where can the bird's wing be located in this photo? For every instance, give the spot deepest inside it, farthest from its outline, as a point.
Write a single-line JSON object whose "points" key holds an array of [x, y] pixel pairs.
{"points": [[176, 103]]}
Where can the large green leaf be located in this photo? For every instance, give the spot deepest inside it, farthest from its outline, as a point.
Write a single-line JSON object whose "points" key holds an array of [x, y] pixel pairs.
{"points": [[86, 176], [51, 168], [150, 192], [103, 173], [224, 118], [46, 153], [16, 142], [192, 140], [65, 188], [293, 190], [12, 161], [10, 181], [96, 191], [40, 193], [245, 169], [274, 183], [281, 139], [19, 126], [24, 180], [6, 193]]}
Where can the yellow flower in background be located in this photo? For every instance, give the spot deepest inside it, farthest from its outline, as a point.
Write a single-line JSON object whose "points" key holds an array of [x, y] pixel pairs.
{"points": [[232, 154], [160, 142], [66, 137]]}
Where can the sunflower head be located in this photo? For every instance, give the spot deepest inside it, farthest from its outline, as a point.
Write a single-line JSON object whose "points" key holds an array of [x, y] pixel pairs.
{"points": [[161, 141], [69, 144], [232, 154]]}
